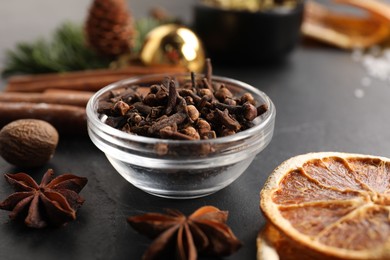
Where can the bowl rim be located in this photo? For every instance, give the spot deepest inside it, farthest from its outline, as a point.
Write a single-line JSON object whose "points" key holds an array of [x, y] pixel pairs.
{"points": [[297, 9], [92, 115]]}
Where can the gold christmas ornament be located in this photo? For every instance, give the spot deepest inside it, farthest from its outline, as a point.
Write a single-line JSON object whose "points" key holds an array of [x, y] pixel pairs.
{"points": [[173, 44]]}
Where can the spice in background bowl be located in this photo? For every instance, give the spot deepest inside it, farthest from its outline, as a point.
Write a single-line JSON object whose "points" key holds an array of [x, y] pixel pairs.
{"points": [[159, 156], [240, 33]]}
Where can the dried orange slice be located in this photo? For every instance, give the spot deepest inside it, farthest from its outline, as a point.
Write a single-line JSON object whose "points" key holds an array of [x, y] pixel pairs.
{"points": [[334, 204], [273, 245]]}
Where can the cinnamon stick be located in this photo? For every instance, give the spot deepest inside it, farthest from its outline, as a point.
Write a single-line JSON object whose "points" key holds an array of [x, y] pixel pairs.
{"points": [[74, 98], [375, 7], [68, 91], [345, 30], [90, 80], [65, 118]]}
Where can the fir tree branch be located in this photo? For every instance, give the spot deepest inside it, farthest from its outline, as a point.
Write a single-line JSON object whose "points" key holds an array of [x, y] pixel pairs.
{"points": [[66, 51]]}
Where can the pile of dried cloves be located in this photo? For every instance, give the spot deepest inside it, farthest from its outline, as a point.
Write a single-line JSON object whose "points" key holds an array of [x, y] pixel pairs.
{"points": [[193, 110]]}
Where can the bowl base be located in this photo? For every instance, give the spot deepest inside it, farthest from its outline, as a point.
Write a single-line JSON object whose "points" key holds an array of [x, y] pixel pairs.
{"points": [[165, 183], [180, 197]]}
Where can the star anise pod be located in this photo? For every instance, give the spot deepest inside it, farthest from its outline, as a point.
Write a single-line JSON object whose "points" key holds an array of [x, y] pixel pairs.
{"points": [[53, 202], [177, 236]]}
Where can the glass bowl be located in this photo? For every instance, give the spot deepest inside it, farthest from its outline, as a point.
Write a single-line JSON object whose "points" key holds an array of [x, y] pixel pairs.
{"points": [[180, 169]]}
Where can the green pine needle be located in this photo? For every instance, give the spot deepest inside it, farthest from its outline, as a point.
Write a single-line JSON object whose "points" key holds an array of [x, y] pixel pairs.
{"points": [[67, 51], [143, 26]]}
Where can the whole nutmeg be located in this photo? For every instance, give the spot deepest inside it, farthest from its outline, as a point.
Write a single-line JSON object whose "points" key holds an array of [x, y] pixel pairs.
{"points": [[28, 142]]}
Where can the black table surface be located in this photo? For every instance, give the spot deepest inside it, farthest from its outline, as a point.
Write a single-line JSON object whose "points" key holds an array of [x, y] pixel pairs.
{"points": [[321, 105]]}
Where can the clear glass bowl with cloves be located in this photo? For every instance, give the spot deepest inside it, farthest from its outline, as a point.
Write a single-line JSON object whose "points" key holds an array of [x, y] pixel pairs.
{"points": [[180, 136]]}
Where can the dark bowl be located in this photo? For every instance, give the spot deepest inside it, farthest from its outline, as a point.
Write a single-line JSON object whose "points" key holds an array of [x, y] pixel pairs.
{"points": [[245, 37]]}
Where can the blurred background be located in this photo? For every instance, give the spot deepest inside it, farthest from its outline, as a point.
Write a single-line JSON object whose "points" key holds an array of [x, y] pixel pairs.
{"points": [[327, 98], [44, 16]]}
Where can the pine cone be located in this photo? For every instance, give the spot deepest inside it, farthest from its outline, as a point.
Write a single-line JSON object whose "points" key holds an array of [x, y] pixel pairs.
{"points": [[109, 27]]}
